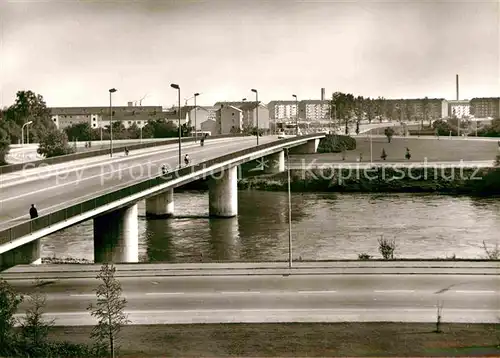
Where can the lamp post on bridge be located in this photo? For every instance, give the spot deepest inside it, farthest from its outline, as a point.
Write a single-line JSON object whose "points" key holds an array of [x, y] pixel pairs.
{"points": [[111, 91], [257, 111], [195, 110], [178, 88]]}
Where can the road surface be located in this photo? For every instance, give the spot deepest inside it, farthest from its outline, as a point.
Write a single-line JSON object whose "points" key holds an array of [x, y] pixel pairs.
{"points": [[299, 297], [28, 152], [52, 188]]}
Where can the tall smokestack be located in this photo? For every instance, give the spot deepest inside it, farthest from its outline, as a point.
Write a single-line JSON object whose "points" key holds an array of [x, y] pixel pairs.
{"points": [[322, 94], [457, 87]]}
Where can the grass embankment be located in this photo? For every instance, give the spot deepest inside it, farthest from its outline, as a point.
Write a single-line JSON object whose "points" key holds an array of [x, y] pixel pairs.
{"points": [[299, 339], [390, 180], [431, 149]]}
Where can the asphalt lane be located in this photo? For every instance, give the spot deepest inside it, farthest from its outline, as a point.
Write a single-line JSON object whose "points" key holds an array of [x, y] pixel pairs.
{"points": [[57, 191], [293, 298]]}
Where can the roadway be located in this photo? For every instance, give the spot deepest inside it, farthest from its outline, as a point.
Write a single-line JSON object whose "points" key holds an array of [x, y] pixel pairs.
{"points": [[19, 153], [271, 297], [54, 187]]}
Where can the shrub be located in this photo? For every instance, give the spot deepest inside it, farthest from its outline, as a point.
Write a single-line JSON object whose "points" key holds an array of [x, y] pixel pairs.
{"points": [[387, 248], [494, 253], [53, 144], [364, 256], [336, 144]]}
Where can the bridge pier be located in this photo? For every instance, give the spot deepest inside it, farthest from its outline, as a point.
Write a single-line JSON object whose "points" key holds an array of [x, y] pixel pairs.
{"points": [[116, 236], [223, 193], [275, 163], [310, 147], [27, 254], [161, 205]]}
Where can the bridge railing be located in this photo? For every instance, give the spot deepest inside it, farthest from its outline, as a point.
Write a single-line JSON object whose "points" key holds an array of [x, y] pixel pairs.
{"points": [[5, 169], [61, 215]]}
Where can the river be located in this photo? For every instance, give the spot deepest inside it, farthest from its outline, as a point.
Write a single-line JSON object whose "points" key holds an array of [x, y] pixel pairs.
{"points": [[324, 226]]}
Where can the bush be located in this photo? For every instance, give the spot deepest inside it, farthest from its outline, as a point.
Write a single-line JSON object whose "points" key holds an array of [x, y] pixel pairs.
{"points": [[387, 248], [336, 144], [494, 253], [53, 144], [364, 257]]}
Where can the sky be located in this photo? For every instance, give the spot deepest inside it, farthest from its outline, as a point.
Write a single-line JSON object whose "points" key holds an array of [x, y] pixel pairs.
{"points": [[72, 52]]}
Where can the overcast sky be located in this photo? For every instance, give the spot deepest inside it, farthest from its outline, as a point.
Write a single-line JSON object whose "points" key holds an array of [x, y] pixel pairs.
{"points": [[72, 52]]}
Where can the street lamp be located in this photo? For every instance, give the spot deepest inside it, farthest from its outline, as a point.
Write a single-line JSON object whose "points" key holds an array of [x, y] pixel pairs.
{"points": [[297, 115], [177, 87], [22, 132], [289, 212], [257, 111], [195, 110], [111, 91]]}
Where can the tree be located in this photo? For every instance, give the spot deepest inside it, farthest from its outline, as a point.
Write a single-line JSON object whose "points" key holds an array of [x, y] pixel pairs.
{"points": [[109, 309], [55, 143], [344, 104], [389, 132], [9, 301], [79, 131], [34, 329], [28, 107], [4, 145]]}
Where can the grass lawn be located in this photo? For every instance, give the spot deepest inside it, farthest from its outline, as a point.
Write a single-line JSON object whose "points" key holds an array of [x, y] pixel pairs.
{"points": [[432, 149], [300, 339]]}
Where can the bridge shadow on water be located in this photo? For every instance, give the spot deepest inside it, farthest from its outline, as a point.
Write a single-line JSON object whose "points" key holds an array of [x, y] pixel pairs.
{"points": [[203, 239], [176, 217]]}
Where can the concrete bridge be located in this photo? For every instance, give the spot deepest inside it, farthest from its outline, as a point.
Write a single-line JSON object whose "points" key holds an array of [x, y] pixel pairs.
{"points": [[108, 192]]}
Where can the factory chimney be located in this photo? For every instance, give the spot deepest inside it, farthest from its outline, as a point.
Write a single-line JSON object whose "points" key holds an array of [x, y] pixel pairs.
{"points": [[322, 94], [457, 87]]}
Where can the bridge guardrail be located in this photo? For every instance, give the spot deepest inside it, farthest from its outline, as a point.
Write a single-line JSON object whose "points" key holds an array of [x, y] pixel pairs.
{"points": [[5, 169], [58, 216]]}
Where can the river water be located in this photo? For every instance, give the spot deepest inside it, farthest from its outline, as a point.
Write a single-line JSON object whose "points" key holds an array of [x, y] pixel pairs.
{"points": [[324, 226]]}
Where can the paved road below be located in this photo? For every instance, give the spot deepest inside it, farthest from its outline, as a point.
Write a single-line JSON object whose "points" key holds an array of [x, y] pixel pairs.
{"points": [[55, 190], [276, 298]]}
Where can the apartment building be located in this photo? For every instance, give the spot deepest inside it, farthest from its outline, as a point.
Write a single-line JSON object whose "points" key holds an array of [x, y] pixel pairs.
{"points": [[309, 110], [485, 107], [282, 110], [229, 119], [249, 112], [418, 109], [314, 110], [203, 113], [100, 116], [459, 109]]}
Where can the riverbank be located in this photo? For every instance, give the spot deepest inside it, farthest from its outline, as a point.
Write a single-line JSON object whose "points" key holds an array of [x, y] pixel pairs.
{"points": [[379, 179], [298, 339], [465, 181]]}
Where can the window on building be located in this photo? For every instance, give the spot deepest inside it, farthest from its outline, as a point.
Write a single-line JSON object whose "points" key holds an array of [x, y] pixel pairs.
{"points": [[54, 119]]}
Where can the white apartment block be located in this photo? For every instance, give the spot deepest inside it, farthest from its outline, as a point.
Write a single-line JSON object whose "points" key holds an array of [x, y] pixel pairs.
{"points": [[282, 109], [315, 110], [459, 109]]}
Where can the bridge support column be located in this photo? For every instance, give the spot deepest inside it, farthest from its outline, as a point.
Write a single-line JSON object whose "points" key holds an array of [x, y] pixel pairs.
{"points": [[27, 254], [223, 193], [116, 236], [275, 163], [161, 205], [310, 147]]}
